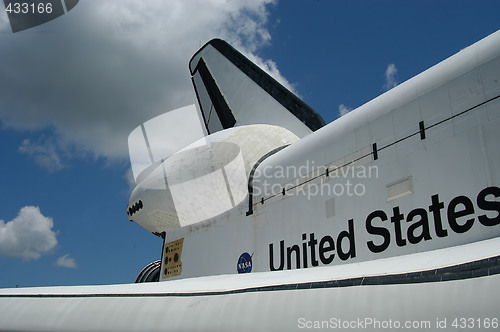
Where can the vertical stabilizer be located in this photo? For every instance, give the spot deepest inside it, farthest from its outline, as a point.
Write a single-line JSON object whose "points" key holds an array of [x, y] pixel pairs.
{"points": [[232, 91]]}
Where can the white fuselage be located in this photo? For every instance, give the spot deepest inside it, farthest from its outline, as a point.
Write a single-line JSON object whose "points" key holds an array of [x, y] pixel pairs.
{"points": [[414, 170]]}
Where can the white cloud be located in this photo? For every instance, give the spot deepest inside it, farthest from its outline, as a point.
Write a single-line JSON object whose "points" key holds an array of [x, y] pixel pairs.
{"points": [[66, 261], [28, 236], [390, 77], [44, 152], [343, 109], [95, 73]]}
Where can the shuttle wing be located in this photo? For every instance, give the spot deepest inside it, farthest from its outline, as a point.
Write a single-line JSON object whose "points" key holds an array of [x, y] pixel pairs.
{"points": [[232, 91]]}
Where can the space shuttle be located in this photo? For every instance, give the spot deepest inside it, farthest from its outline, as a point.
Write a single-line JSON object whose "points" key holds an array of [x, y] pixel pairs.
{"points": [[386, 218]]}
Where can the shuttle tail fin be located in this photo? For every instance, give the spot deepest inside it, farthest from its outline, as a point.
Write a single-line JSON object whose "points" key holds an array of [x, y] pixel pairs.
{"points": [[233, 91]]}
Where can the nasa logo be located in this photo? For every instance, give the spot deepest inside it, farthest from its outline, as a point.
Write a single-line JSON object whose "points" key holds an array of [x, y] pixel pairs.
{"points": [[244, 263]]}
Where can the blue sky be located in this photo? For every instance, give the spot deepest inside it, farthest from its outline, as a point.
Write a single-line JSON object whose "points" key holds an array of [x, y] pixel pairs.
{"points": [[72, 89]]}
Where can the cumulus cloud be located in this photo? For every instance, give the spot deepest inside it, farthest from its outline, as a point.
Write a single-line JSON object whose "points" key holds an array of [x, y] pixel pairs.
{"points": [[27, 236], [66, 261], [94, 74], [343, 109], [390, 76]]}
